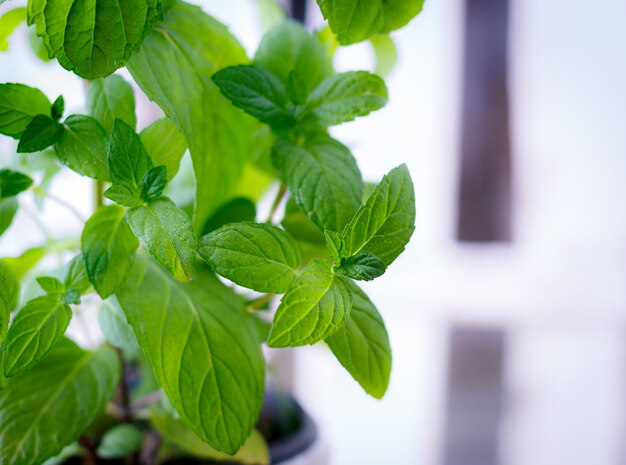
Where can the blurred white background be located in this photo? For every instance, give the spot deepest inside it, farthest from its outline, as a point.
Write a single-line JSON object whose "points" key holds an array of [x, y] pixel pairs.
{"points": [[557, 291]]}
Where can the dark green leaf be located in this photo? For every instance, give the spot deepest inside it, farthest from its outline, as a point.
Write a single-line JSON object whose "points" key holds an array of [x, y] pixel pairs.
{"points": [[119, 441], [69, 388], [257, 92], [289, 48], [76, 277], [153, 183], [12, 183], [107, 246], [116, 329], [111, 98], [254, 255], [356, 20], [58, 108], [19, 104], [71, 296], [234, 211], [34, 331], [8, 209], [343, 97], [363, 266], [41, 133], [167, 234], [83, 147], [384, 225], [362, 346], [128, 159], [8, 22], [323, 178], [316, 304], [173, 68], [92, 39], [124, 194], [52, 286], [202, 348], [165, 144], [9, 293]]}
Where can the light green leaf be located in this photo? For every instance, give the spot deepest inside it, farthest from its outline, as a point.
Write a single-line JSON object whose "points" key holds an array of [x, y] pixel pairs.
{"points": [[19, 104], [316, 304], [83, 147], [334, 243], [52, 286], [8, 209], [253, 452], [386, 54], [52, 405], [202, 348], [153, 183], [12, 183], [34, 331], [8, 22], [299, 226], [116, 329], [128, 159], [124, 194], [9, 293], [356, 20], [165, 144], [363, 266], [167, 234], [343, 97], [110, 98], [257, 92], [107, 245], [173, 68], [362, 346], [41, 133], [288, 48], [254, 255], [323, 178], [234, 211], [92, 38], [76, 276], [119, 441], [384, 225]]}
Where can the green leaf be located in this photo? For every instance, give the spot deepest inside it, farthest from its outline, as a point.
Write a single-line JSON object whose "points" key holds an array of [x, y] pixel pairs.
{"points": [[386, 54], [167, 234], [76, 277], [8, 22], [334, 243], [363, 266], [202, 348], [299, 226], [116, 329], [254, 255], [52, 405], [91, 38], [234, 211], [165, 144], [52, 286], [356, 20], [384, 225], [83, 147], [12, 183], [362, 346], [58, 108], [257, 92], [343, 97], [107, 245], [9, 294], [128, 159], [124, 194], [173, 68], [288, 48], [323, 178], [253, 452], [8, 209], [41, 133], [35, 330], [111, 98], [316, 304], [153, 183], [19, 104], [119, 441]]}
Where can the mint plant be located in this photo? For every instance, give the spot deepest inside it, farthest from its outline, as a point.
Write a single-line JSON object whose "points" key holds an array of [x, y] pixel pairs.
{"points": [[176, 256]]}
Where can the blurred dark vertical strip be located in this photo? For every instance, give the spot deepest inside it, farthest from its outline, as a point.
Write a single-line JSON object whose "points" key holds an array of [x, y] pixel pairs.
{"points": [[474, 397], [485, 183], [297, 10]]}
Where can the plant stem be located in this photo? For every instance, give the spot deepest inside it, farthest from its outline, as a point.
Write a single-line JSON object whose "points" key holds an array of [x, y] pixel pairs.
{"points": [[282, 190], [258, 303], [98, 190], [146, 400], [60, 201], [89, 457], [150, 449], [124, 395]]}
